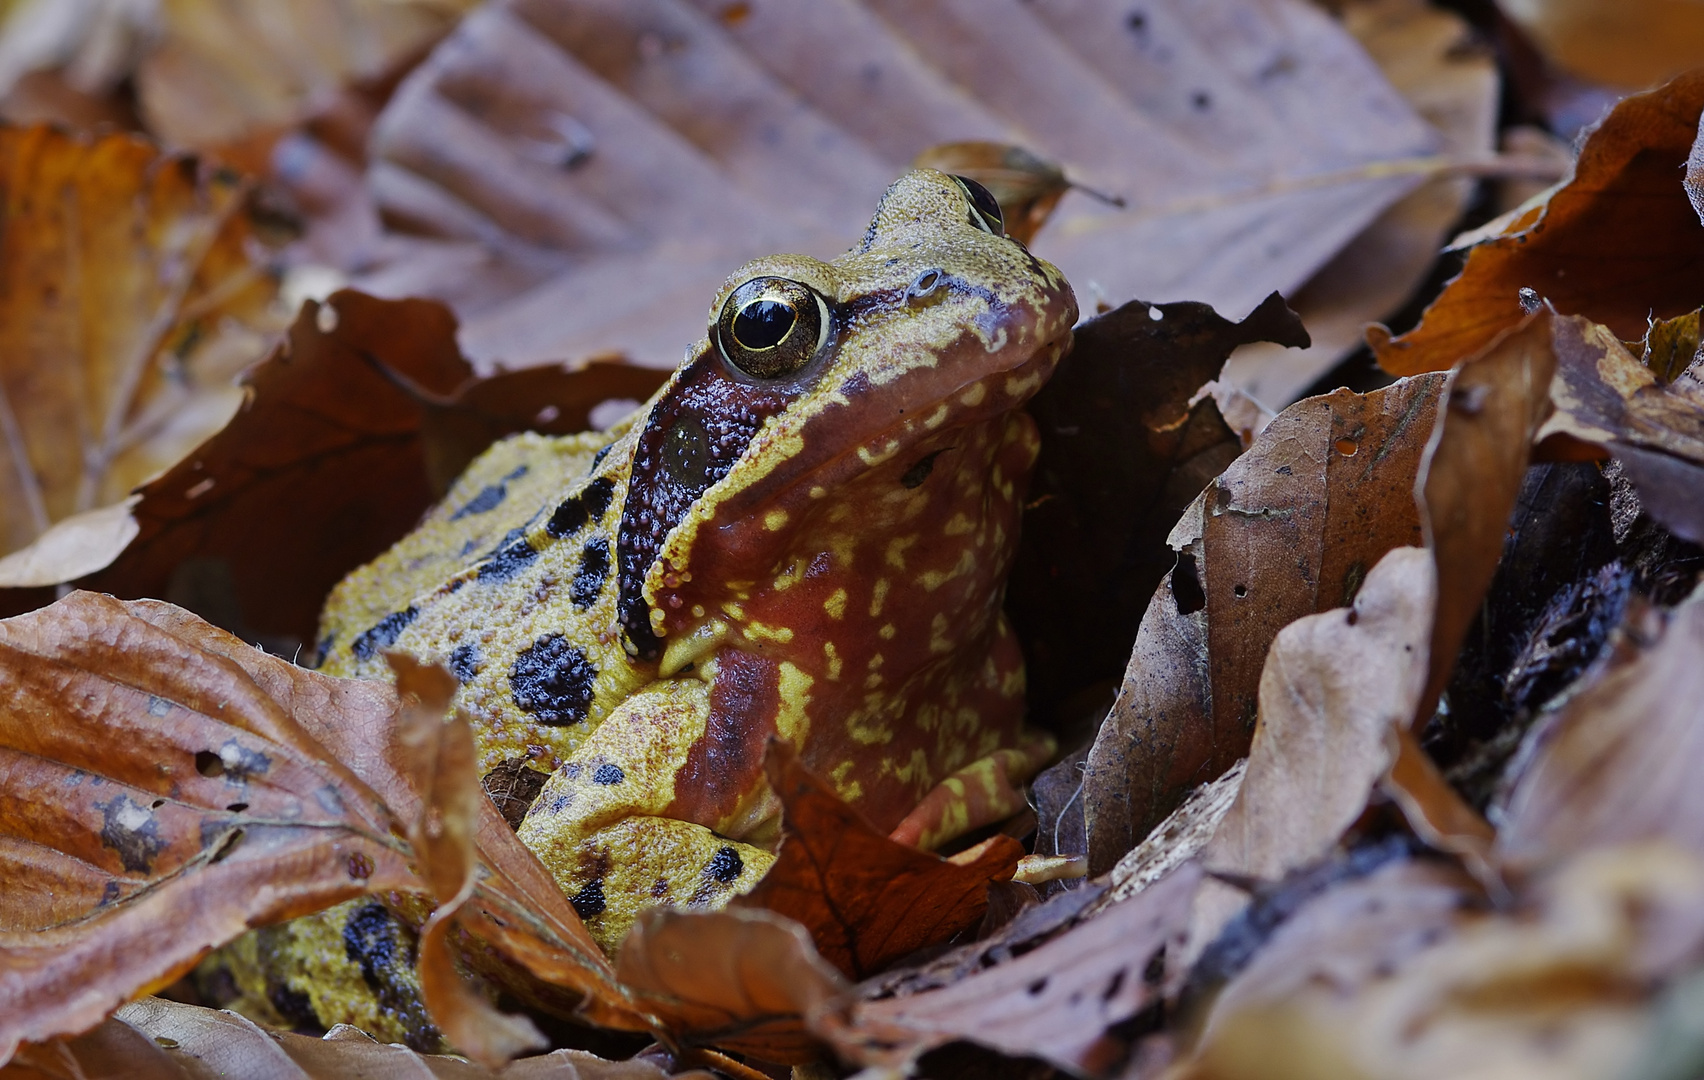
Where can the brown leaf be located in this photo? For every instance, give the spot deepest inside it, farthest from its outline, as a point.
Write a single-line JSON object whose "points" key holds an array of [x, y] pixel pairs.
{"points": [[1436, 811], [435, 744], [742, 978], [1626, 43], [1432, 57], [1620, 762], [220, 73], [1334, 686], [1654, 427], [157, 783], [333, 458], [1106, 491], [865, 899], [1474, 465], [1061, 1002], [132, 292], [1290, 529], [206, 776], [157, 1039], [769, 133], [1616, 244]]}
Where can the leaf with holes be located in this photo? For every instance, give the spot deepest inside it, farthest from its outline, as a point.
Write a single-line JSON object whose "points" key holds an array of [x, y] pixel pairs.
{"points": [[1290, 529]]}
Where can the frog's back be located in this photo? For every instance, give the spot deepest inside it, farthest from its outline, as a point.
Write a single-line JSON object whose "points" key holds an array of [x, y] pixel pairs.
{"points": [[531, 514]]}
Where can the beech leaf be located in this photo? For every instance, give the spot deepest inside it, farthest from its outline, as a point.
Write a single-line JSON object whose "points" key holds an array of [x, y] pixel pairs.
{"points": [[866, 900]]}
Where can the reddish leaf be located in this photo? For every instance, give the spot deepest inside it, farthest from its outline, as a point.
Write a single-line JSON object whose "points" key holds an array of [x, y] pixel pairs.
{"points": [[866, 900], [333, 458], [1617, 243], [742, 979]]}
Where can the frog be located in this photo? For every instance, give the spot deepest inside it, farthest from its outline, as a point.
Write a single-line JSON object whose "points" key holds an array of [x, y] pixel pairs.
{"points": [[803, 535]]}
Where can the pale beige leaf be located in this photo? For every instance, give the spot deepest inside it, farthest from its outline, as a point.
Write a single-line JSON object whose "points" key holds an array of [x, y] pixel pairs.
{"points": [[72, 547], [578, 146]]}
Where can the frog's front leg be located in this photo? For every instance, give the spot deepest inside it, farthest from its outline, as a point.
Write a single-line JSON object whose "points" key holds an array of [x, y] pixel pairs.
{"points": [[609, 826]]}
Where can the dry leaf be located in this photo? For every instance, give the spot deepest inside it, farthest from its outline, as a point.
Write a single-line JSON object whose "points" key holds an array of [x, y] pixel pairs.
{"points": [[133, 294], [220, 72], [346, 428], [157, 1039], [1654, 427], [1430, 56], [1125, 445], [289, 793], [570, 147], [1558, 992], [1626, 43], [1618, 243], [741, 978], [1620, 762], [1333, 687], [866, 900], [1290, 529], [157, 783], [1062, 1002]]}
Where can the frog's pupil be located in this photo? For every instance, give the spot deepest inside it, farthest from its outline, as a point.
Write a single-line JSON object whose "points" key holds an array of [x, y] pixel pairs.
{"points": [[764, 324], [985, 202]]}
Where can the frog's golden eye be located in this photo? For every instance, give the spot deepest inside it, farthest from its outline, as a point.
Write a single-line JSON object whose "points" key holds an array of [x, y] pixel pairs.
{"points": [[772, 326], [984, 207]]}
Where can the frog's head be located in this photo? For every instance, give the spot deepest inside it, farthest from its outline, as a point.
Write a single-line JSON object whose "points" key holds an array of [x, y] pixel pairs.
{"points": [[812, 374]]}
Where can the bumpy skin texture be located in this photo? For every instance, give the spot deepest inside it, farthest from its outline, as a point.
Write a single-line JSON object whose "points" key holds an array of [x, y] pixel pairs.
{"points": [[819, 555]]}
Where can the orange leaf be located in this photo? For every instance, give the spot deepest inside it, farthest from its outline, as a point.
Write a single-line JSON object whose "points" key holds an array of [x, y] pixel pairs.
{"points": [[866, 900], [1617, 243]]}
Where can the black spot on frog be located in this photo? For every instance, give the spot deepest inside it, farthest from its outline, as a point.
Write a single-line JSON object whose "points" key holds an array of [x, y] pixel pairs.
{"points": [[490, 497], [383, 634], [511, 556], [725, 866], [589, 901], [587, 505], [552, 680], [608, 774], [464, 662], [593, 572]]}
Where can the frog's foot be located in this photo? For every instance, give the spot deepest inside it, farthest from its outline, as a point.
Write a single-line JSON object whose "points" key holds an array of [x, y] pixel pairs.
{"points": [[612, 823], [615, 873], [983, 792]]}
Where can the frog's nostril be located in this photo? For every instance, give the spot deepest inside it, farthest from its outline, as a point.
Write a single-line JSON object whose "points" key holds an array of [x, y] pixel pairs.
{"points": [[922, 285]]}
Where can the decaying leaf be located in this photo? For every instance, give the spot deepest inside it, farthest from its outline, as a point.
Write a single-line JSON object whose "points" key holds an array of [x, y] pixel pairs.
{"points": [[1062, 1002], [1619, 763], [1618, 243], [1333, 687], [132, 291], [742, 978], [1106, 491], [1290, 529], [1556, 992], [157, 1039], [1247, 142], [865, 899], [155, 782], [1430, 56], [203, 776], [346, 428]]}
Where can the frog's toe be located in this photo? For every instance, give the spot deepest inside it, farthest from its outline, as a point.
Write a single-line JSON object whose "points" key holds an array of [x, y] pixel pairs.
{"points": [[983, 792]]}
